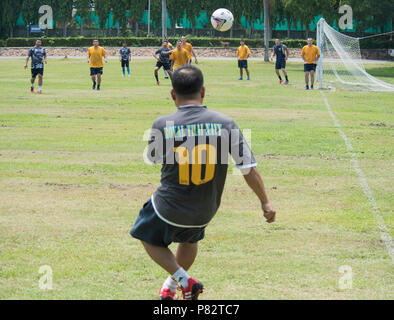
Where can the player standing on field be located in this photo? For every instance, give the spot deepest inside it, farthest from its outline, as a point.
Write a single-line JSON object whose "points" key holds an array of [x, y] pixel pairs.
{"points": [[163, 60], [192, 145], [310, 54], [282, 53], [125, 57], [243, 54], [38, 57], [179, 56], [189, 48], [95, 58]]}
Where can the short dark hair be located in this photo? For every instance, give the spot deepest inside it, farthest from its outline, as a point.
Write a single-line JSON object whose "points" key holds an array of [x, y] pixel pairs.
{"points": [[187, 80]]}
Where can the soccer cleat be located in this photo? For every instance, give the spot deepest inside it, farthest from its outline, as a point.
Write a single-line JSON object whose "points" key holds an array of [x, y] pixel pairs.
{"points": [[165, 77], [286, 82], [240, 79], [306, 88], [312, 87], [158, 83], [280, 81], [167, 294], [39, 91], [193, 290], [249, 79], [31, 89]]}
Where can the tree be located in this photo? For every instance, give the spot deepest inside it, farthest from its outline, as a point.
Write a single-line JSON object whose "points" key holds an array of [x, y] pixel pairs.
{"points": [[266, 30], [84, 8], [62, 12], [10, 14]]}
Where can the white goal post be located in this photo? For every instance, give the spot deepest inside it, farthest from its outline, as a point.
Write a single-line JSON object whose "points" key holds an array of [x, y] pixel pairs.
{"points": [[340, 65]]}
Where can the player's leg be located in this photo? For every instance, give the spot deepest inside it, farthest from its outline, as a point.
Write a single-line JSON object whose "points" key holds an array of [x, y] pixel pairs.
{"points": [[40, 80], [307, 80], [186, 254], [278, 74], [165, 74], [285, 74], [156, 73], [128, 67], [241, 74], [93, 77], [123, 68], [32, 80], [162, 256], [247, 73], [99, 77], [312, 78]]}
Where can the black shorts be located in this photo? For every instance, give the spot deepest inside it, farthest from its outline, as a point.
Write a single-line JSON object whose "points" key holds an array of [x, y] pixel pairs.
{"points": [[243, 64], [151, 229], [125, 63], [280, 64], [36, 71], [166, 66], [94, 71], [309, 67]]}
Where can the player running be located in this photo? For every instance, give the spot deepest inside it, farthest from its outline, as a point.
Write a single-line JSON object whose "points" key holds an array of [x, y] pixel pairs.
{"points": [[163, 60], [310, 54], [189, 48], [282, 53], [192, 145], [38, 57], [243, 54], [95, 58], [179, 56], [169, 45], [125, 57]]}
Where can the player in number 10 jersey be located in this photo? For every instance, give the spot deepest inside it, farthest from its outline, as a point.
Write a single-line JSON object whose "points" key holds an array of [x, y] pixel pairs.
{"points": [[192, 145]]}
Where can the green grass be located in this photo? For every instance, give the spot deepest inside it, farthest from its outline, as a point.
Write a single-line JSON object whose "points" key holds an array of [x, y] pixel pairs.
{"points": [[72, 181]]}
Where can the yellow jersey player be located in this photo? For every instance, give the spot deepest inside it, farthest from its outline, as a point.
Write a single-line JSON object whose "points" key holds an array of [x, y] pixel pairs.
{"points": [[179, 56], [95, 58], [189, 48], [310, 54], [243, 54]]}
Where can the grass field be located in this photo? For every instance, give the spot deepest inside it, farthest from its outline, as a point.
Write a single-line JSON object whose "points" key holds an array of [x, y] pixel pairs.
{"points": [[72, 181]]}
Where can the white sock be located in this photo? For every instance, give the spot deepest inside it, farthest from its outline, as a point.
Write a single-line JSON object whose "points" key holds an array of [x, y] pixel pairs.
{"points": [[39, 88], [170, 284], [181, 276], [32, 86]]}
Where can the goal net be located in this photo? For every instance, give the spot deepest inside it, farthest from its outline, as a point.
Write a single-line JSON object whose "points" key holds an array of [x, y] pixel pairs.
{"points": [[340, 65]]}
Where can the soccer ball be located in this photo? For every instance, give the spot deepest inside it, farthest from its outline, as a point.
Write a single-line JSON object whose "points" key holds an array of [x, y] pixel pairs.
{"points": [[222, 19]]}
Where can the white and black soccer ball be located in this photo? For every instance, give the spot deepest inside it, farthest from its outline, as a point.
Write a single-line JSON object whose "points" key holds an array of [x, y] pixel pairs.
{"points": [[222, 19]]}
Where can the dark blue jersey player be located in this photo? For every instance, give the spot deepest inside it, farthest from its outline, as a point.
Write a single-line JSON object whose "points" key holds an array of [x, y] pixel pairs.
{"points": [[38, 57], [281, 52], [124, 57], [193, 146]]}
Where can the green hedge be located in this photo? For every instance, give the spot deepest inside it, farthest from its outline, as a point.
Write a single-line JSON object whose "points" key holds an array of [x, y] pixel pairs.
{"points": [[156, 42]]}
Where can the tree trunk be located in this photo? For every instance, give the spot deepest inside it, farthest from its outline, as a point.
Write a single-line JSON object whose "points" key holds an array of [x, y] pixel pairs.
{"points": [[118, 30], [81, 28], [288, 28], [136, 27], [65, 29], [266, 32]]}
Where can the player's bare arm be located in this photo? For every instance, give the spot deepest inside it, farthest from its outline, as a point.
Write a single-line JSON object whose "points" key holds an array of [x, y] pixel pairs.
{"points": [[255, 182], [27, 61], [195, 56]]}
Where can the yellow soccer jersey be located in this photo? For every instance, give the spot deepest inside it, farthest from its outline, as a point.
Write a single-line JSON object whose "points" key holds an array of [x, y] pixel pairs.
{"points": [[188, 47], [243, 52], [310, 53], [96, 56], [180, 57]]}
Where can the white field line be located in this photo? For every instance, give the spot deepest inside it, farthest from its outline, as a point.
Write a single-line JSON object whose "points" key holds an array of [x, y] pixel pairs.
{"points": [[384, 233]]}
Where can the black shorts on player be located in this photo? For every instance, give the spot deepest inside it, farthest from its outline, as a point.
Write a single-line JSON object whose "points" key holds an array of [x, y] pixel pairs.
{"points": [[125, 63], [243, 64], [166, 66], [280, 64], [151, 229], [94, 71], [309, 67], [37, 71]]}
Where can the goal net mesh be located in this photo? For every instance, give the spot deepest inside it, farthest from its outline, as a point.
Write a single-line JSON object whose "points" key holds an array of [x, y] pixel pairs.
{"points": [[341, 66]]}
